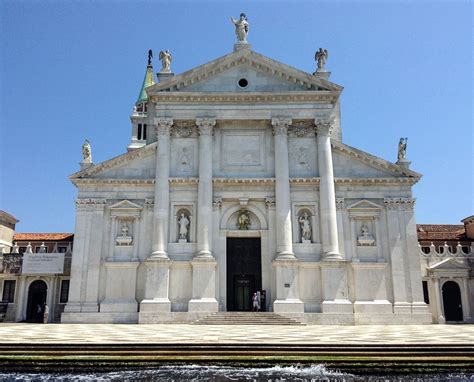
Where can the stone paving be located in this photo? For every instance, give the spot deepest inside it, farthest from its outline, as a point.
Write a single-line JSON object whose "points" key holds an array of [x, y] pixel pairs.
{"points": [[314, 334]]}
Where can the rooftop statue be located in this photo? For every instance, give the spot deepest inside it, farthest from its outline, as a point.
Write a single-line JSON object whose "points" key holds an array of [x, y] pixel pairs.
{"points": [[150, 57], [86, 152], [321, 56], [166, 58], [241, 28], [402, 148]]}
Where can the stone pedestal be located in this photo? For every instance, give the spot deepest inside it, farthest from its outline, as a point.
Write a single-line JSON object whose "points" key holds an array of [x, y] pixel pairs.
{"points": [[335, 288], [322, 74], [403, 163], [242, 45], [120, 287], [204, 286], [157, 286], [287, 287], [164, 76]]}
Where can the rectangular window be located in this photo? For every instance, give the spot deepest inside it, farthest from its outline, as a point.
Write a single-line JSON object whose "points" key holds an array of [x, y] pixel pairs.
{"points": [[9, 291], [144, 132], [426, 295], [22, 249], [64, 291], [139, 132]]}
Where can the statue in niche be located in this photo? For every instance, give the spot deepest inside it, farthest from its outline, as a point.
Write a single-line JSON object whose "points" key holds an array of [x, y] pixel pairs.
{"points": [[86, 152], [402, 148], [305, 228], [241, 28], [365, 238], [184, 160], [183, 224], [124, 238], [243, 221], [166, 58], [321, 56]]}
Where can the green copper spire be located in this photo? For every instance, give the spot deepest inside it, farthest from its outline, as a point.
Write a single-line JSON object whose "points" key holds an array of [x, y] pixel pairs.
{"points": [[148, 80]]}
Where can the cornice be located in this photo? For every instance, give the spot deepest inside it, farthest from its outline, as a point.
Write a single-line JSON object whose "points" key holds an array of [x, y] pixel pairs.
{"points": [[244, 98], [373, 160], [131, 155], [314, 180]]}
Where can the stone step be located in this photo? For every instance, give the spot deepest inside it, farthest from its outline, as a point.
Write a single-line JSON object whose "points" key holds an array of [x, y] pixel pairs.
{"points": [[246, 318]]}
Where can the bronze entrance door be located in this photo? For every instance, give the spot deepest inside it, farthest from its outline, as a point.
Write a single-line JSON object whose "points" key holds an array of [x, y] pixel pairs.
{"points": [[244, 272]]}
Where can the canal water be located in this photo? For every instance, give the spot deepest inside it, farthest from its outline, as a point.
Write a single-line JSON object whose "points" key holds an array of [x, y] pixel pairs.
{"points": [[227, 374]]}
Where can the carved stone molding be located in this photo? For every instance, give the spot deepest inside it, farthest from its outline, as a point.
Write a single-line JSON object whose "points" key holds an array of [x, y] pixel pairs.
{"points": [[149, 203], [163, 126], [324, 126], [281, 125], [217, 202], [340, 204], [301, 130], [270, 202], [90, 204], [406, 204], [320, 97], [183, 129], [205, 125]]}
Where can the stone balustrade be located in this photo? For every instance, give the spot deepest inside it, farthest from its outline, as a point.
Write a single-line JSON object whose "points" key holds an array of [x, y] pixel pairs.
{"points": [[434, 251]]}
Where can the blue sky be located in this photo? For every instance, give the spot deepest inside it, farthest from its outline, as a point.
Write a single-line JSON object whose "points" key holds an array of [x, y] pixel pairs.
{"points": [[71, 70]]}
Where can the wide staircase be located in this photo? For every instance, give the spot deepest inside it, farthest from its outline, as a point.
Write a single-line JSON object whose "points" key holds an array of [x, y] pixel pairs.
{"points": [[246, 318]]}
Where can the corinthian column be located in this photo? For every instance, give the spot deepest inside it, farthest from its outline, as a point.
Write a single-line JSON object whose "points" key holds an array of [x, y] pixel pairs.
{"points": [[204, 215], [282, 189], [327, 192], [162, 189]]}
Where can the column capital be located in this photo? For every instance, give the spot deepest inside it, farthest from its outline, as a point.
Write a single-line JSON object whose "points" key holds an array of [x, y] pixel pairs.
{"points": [[163, 126], [280, 125], [340, 204], [270, 202], [205, 125], [324, 126]]}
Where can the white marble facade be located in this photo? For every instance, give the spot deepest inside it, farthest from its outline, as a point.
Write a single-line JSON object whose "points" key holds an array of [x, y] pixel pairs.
{"points": [[336, 225]]}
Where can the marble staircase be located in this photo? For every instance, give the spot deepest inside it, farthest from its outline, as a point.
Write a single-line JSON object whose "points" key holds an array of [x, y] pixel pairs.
{"points": [[246, 318]]}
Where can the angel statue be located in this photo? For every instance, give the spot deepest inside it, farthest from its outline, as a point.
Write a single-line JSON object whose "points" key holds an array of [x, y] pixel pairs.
{"points": [[86, 152], [402, 148], [321, 56], [150, 56], [165, 57], [241, 28], [243, 221]]}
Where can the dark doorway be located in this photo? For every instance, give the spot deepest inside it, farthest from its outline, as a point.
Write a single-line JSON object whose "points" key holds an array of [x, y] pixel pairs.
{"points": [[452, 301], [36, 301], [244, 272]]}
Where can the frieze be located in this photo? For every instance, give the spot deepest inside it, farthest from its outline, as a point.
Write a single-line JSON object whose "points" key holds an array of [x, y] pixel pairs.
{"points": [[217, 202], [184, 129], [245, 98], [302, 129], [90, 204], [394, 204], [270, 202]]}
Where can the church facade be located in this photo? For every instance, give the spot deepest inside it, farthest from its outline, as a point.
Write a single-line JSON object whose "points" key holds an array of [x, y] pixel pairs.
{"points": [[237, 180]]}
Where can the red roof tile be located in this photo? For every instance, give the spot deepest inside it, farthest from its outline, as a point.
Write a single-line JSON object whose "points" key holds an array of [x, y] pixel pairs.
{"points": [[43, 236], [441, 232]]}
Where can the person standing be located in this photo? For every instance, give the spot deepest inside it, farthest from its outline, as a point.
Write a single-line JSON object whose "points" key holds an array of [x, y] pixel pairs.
{"points": [[45, 314], [255, 303]]}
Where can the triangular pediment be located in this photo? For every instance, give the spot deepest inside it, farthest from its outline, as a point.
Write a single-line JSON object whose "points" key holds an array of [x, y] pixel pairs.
{"points": [[352, 163], [364, 205], [125, 205], [262, 73], [449, 264], [138, 164]]}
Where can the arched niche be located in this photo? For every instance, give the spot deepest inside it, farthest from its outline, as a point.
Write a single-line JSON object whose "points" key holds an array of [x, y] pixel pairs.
{"points": [[229, 218]]}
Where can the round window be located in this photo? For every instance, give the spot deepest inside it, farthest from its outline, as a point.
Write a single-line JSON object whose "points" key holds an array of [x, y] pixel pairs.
{"points": [[243, 83]]}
